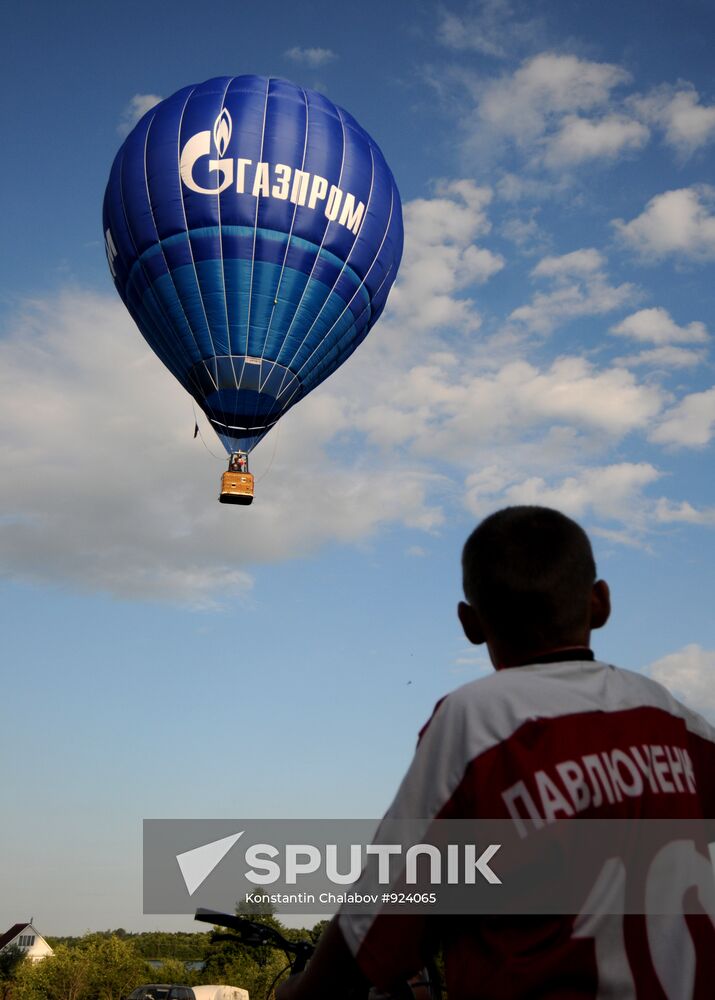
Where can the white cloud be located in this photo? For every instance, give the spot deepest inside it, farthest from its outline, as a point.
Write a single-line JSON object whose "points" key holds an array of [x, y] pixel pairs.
{"points": [[490, 27], [690, 422], [579, 139], [136, 109], [520, 187], [574, 392], [676, 222], [313, 57], [581, 289], [525, 233], [656, 326], [524, 104], [98, 433], [666, 359], [578, 262], [458, 413], [455, 33], [689, 674], [686, 122], [611, 492], [548, 310], [457, 213], [62, 482], [622, 536], [558, 109], [670, 512], [441, 257]]}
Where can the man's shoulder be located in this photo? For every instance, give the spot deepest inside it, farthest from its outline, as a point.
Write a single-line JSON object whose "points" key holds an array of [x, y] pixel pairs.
{"points": [[500, 702], [594, 680], [640, 688], [533, 685]]}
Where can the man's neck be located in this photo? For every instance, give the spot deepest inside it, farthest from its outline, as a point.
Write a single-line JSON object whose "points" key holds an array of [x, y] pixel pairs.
{"points": [[504, 659]]}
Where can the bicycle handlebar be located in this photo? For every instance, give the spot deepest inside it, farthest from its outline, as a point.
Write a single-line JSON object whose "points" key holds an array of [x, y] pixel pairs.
{"points": [[253, 933]]}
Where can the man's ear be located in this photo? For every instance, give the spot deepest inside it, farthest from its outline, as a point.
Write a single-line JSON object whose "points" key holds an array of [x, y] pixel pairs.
{"points": [[471, 624], [600, 604]]}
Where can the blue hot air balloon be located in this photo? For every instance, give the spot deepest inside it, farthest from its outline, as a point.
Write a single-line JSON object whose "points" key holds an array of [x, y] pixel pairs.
{"points": [[253, 231]]}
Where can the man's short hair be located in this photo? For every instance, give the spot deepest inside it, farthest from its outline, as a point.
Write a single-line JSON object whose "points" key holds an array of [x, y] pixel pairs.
{"points": [[528, 572]]}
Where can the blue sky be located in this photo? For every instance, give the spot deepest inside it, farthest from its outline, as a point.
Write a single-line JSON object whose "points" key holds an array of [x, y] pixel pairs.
{"points": [[548, 340]]}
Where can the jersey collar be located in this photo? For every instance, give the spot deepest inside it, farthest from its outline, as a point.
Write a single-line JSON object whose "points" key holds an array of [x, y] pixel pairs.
{"points": [[560, 655]]}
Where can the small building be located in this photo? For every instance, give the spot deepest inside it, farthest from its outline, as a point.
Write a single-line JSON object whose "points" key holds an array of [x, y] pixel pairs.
{"points": [[27, 938]]}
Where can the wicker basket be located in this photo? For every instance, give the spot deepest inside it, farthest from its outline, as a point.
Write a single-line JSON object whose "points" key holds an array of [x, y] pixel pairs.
{"points": [[236, 487]]}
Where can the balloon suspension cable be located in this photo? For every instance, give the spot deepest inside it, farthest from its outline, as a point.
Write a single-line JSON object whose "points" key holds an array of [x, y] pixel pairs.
{"points": [[219, 458], [275, 448]]}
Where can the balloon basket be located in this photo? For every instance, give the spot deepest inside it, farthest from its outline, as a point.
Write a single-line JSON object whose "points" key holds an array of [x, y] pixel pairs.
{"points": [[236, 487]]}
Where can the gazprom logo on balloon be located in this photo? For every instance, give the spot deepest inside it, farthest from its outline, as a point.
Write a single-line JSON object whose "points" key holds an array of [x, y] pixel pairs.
{"points": [[266, 180]]}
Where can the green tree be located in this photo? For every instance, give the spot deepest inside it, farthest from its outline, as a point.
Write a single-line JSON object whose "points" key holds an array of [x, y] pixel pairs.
{"points": [[317, 930], [257, 978], [115, 968], [63, 976], [173, 970], [98, 968], [10, 959]]}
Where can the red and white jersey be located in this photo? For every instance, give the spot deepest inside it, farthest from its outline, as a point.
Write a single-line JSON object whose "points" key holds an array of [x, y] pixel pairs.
{"points": [[537, 743]]}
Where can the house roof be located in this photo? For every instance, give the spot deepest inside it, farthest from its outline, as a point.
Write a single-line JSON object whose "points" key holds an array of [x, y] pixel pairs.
{"points": [[8, 936]]}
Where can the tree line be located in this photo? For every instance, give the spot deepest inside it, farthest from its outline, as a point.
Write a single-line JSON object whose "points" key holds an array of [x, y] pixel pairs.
{"points": [[108, 965]]}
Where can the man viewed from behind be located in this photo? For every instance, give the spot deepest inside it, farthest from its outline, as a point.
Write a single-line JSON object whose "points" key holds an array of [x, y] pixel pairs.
{"points": [[540, 739], [529, 577]]}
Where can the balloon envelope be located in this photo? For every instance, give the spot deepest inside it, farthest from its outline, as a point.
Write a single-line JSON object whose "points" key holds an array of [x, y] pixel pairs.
{"points": [[253, 230]]}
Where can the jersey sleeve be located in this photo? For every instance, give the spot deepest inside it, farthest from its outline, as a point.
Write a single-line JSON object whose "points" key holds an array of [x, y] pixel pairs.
{"points": [[391, 947]]}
